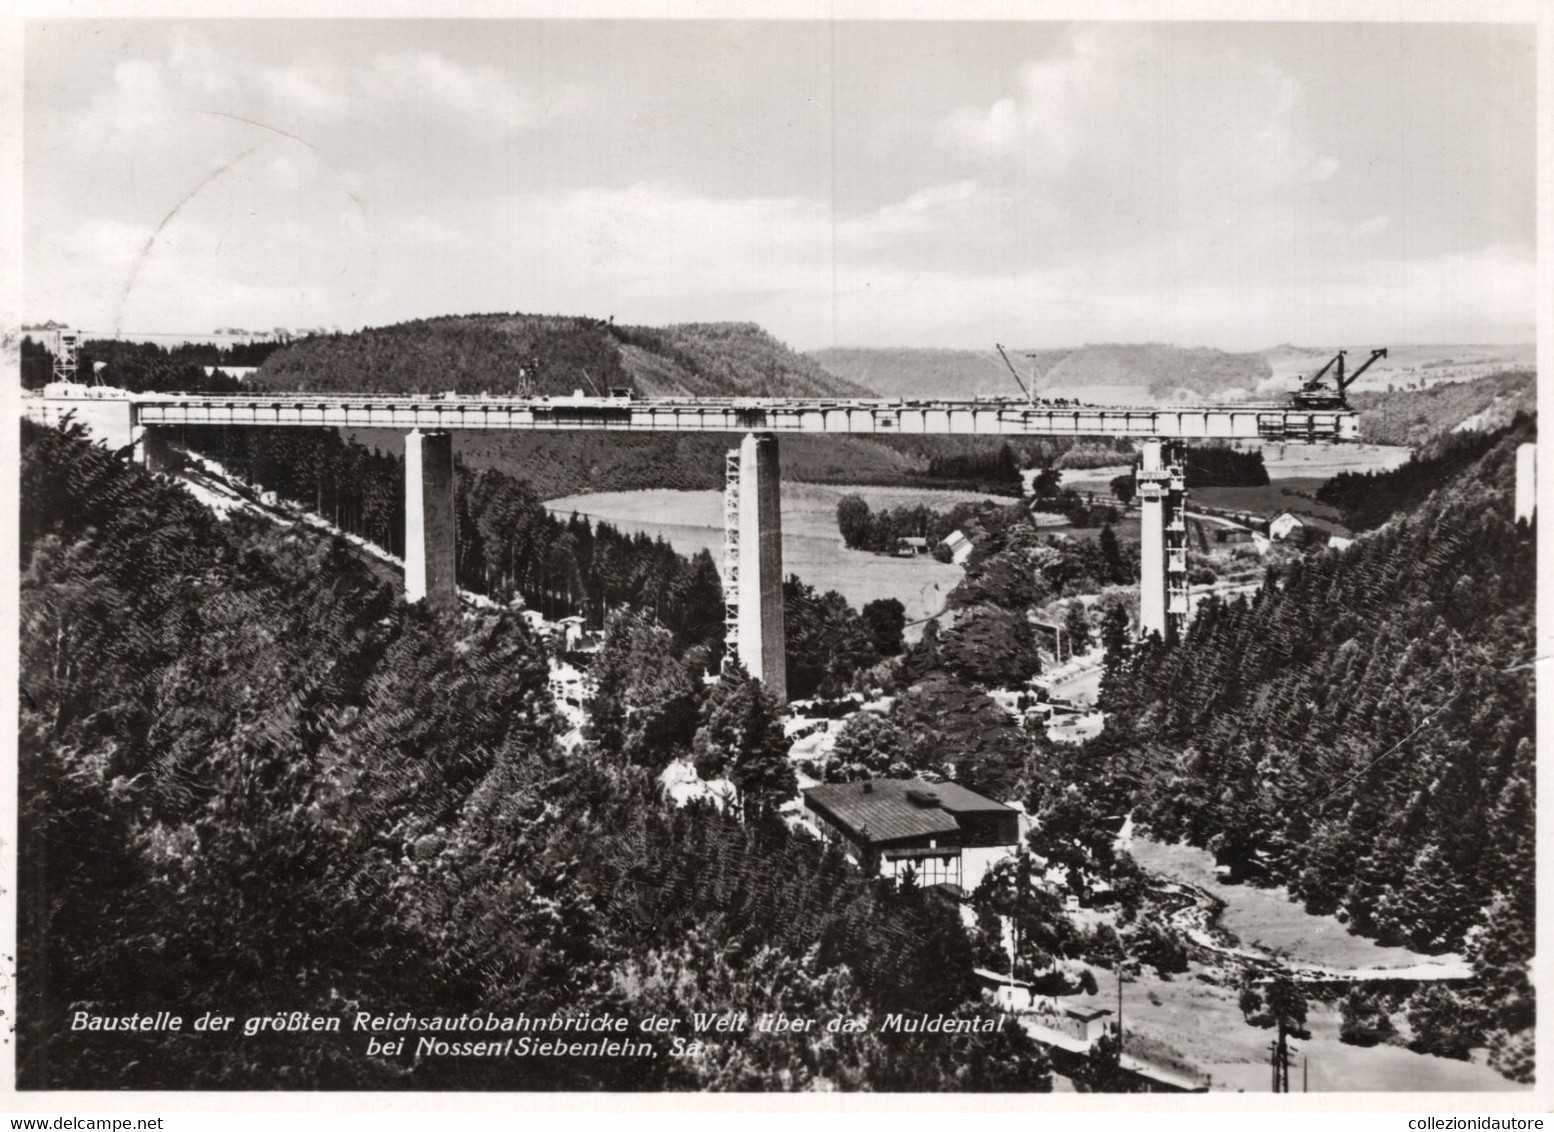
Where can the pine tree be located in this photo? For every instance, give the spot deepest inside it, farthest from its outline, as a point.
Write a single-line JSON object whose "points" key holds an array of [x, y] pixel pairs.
{"points": [[741, 737]]}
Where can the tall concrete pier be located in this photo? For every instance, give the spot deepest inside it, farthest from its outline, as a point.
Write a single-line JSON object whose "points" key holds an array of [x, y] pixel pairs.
{"points": [[431, 524], [1526, 481], [753, 562]]}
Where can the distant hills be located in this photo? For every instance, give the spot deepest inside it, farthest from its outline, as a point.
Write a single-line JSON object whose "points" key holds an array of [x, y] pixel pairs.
{"points": [[1406, 366], [1109, 373], [900, 372], [549, 354]]}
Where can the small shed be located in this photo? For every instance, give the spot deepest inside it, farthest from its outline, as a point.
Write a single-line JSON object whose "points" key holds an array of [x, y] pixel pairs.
{"points": [[1310, 529], [571, 632], [959, 547], [1089, 1020], [1007, 992]]}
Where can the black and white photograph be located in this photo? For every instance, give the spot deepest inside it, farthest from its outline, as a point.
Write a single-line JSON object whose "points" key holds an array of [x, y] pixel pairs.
{"points": [[774, 553]]}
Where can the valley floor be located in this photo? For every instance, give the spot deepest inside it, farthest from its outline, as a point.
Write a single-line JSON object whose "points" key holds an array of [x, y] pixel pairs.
{"points": [[1196, 1016]]}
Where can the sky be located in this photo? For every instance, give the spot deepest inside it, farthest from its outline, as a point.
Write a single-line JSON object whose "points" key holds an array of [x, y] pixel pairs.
{"points": [[869, 183]]}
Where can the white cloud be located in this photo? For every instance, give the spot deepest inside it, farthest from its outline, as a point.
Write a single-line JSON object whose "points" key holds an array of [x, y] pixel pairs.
{"points": [[425, 231], [928, 211], [480, 96], [197, 63], [311, 89], [1117, 110]]}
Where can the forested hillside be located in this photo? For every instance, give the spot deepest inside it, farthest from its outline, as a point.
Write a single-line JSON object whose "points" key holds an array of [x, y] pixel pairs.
{"points": [[549, 354], [1363, 732], [1414, 416], [510, 546], [145, 366], [1368, 499], [252, 782]]}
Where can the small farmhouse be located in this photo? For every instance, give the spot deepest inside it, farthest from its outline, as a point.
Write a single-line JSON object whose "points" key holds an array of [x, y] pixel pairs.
{"points": [[943, 832], [911, 546], [1288, 526]]}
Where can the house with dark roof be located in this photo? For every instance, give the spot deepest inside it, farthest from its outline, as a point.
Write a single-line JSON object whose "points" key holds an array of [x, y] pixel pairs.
{"points": [[942, 832]]}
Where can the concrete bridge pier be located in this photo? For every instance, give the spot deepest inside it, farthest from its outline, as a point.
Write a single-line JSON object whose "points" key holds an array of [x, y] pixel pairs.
{"points": [[1161, 480], [152, 451], [753, 561], [431, 525]]}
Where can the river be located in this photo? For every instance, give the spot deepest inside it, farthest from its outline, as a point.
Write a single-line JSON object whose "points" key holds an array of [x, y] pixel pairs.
{"points": [[811, 546]]}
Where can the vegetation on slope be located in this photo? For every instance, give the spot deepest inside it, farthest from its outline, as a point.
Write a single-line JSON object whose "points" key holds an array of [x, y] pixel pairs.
{"points": [[1363, 732], [1412, 417], [1368, 499], [145, 366], [510, 546], [548, 354], [252, 782]]}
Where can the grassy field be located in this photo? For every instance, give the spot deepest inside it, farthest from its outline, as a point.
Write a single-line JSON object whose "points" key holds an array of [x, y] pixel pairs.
{"points": [[1197, 1015], [1286, 495], [811, 545], [1267, 919]]}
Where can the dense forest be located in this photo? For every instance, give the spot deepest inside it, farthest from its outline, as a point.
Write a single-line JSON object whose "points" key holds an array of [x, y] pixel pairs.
{"points": [[1015, 567], [1214, 465], [145, 366], [1363, 732], [510, 546], [1368, 499], [253, 782]]}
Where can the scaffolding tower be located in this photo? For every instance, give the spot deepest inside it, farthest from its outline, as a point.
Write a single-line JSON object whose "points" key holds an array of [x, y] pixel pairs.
{"points": [[66, 343], [1161, 478], [731, 468]]}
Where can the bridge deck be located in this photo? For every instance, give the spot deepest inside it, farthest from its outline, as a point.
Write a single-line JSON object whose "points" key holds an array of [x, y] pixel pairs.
{"points": [[1004, 417]]}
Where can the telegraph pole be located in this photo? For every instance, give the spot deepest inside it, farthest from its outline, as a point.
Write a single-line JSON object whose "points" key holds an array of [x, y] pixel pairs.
{"points": [[1121, 972]]}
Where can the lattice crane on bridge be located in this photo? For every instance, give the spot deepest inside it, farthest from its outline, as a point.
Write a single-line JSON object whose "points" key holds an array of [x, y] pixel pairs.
{"points": [[1315, 395]]}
